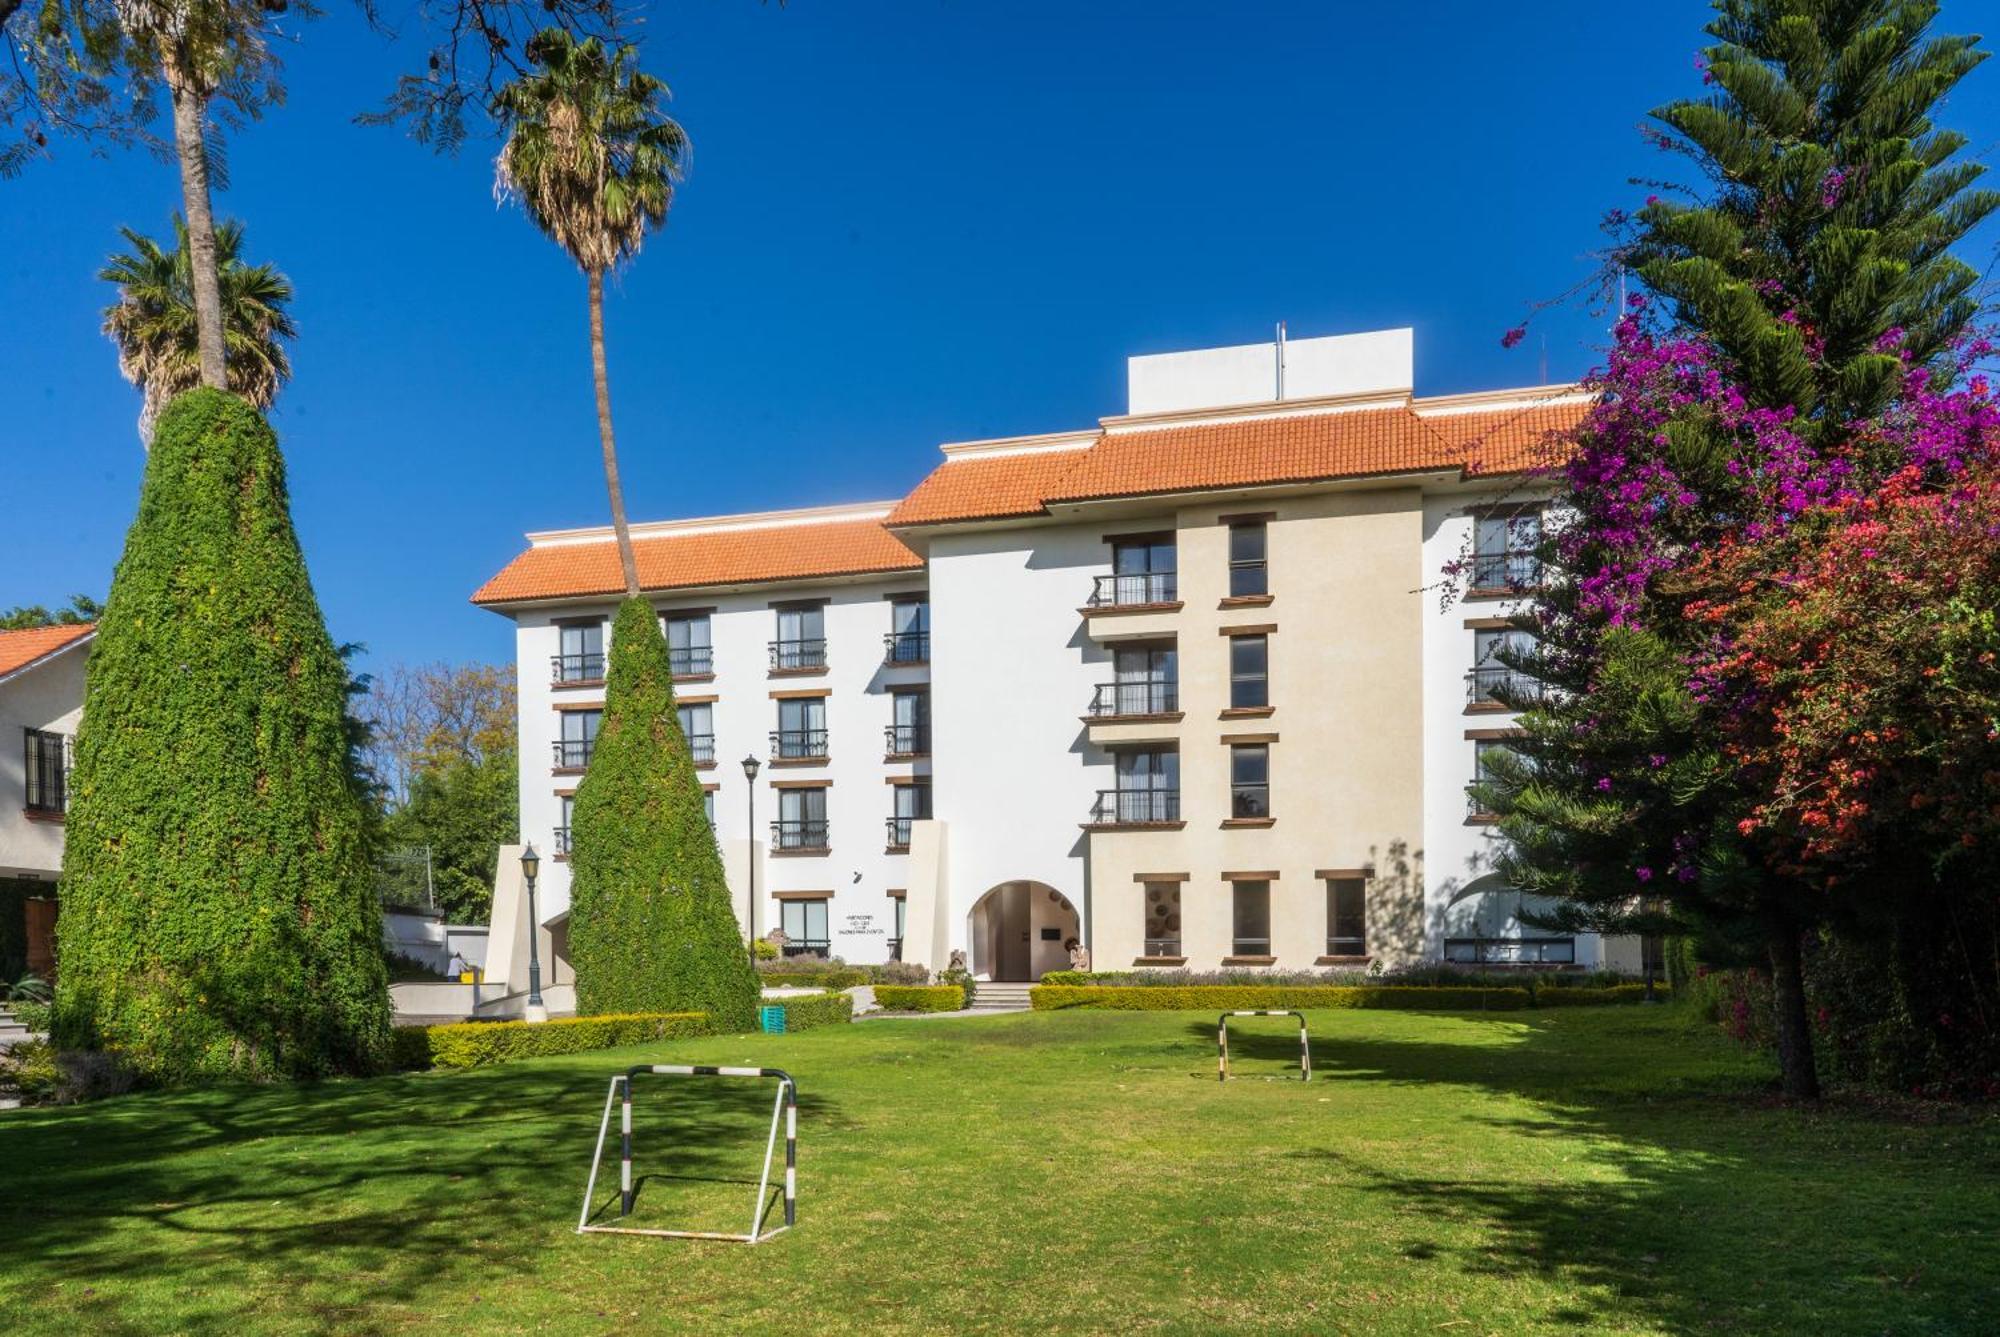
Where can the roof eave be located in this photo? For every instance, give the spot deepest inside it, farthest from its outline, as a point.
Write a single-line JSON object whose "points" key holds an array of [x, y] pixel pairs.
{"points": [[41, 659]]}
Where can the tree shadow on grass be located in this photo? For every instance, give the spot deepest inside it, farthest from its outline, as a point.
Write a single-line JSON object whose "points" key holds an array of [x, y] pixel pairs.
{"points": [[1674, 1196], [354, 1199]]}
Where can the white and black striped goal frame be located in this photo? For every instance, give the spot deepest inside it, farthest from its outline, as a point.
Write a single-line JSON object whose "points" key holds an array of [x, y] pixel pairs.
{"points": [[785, 1109], [1222, 1043]]}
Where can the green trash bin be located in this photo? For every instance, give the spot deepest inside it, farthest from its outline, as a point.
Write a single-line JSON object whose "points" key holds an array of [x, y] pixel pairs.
{"points": [[771, 1019]]}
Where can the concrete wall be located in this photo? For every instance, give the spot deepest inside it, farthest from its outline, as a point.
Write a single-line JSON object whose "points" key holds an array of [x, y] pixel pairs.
{"points": [[1341, 364], [50, 697]]}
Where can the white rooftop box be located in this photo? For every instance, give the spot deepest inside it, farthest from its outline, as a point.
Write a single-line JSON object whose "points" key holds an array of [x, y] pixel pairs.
{"points": [[1379, 362]]}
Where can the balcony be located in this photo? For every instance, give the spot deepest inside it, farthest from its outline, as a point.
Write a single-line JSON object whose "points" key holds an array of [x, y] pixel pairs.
{"points": [[907, 740], [799, 834], [1136, 698], [906, 647], [801, 656], [692, 661], [701, 746], [560, 839], [585, 666], [1138, 589], [899, 831], [1510, 951], [1510, 572], [1483, 687], [1136, 807], [573, 754], [798, 744]]}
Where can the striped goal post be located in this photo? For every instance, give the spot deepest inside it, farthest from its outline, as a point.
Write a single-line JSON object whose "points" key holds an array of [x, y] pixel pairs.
{"points": [[1222, 1042], [785, 1109]]}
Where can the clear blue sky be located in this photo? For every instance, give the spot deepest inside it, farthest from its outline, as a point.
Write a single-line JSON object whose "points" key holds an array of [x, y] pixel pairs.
{"points": [[907, 223]]}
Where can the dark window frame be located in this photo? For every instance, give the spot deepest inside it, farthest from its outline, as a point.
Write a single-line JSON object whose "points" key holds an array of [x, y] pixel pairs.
{"points": [[1243, 686], [1250, 577], [1249, 799]]}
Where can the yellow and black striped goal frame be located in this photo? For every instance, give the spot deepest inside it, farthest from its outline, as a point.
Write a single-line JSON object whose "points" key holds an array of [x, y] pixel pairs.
{"points": [[1222, 1042], [785, 1109]]}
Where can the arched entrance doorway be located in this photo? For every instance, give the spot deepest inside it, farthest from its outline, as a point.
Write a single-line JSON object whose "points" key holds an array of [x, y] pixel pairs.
{"points": [[1017, 931]]}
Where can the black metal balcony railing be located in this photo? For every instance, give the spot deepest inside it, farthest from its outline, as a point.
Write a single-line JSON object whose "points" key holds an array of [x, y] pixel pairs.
{"points": [[1124, 807], [895, 949], [906, 647], [561, 839], [1483, 685], [798, 744], [907, 740], [573, 754], [806, 946], [701, 746], [1510, 951], [582, 666], [801, 654], [899, 831], [1163, 947], [1347, 947], [1134, 589], [1515, 569], [1250, 947], [799, 833], [691, 661], [1135, 696]]}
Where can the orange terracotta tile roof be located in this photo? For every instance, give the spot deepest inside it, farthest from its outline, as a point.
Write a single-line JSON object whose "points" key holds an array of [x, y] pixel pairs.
{"points": [[18, 649], [700, 558], [1129, 461]]}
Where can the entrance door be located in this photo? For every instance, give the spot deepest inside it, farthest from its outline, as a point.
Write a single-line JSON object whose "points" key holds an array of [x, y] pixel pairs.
{"points": [[41, 915]]}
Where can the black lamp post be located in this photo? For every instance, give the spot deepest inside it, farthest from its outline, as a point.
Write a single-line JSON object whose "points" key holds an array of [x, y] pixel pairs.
{"points": [[750, 768], [531, 863]]}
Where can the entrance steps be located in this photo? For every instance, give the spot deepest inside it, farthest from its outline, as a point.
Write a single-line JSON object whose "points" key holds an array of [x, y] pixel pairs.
{"points": [[12, 1031], [992, 996]]}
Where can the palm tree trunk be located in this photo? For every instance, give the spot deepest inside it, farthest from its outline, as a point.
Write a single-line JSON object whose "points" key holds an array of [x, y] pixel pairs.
{"points": [[1797, 1076], [189, 109], [626, 558]]}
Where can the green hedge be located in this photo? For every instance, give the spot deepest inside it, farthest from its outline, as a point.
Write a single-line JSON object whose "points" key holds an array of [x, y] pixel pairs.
{"points": [[475, 1044], [845, 977], [919, 997], [831, 1008], [1618, 993], [1224, 997]]}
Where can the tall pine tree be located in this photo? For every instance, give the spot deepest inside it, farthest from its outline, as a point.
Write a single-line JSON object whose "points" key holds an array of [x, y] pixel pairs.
{"points": [[1804, 278]]}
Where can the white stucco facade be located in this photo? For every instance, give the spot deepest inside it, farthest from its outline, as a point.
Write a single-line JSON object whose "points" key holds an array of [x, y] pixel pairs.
{"points": [[45, 696]]}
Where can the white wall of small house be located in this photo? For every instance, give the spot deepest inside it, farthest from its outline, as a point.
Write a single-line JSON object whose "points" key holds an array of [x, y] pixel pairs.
{"points": [[48, 696], [858, 871]]}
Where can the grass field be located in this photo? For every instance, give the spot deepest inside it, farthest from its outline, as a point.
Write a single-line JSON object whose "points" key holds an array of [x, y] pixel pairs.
{"points": [[1595, 1170]]}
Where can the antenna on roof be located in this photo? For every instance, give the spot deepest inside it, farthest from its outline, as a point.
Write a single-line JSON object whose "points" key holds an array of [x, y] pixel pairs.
{"points": [[1281, 361]]}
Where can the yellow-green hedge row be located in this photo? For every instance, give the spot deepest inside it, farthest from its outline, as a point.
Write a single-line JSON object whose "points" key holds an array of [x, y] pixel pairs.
{"points": [[1617, 993], [474, 1044], [831, 1008], [1224, 997], [919, 997]]}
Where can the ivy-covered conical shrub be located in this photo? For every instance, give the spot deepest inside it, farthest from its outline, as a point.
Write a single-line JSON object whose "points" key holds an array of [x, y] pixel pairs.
{"points": [[217, 912], [651, 925]]}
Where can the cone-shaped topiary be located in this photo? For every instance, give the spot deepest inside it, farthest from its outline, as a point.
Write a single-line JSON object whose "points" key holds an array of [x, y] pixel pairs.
{"points": [[217, 912], [651, 925]]}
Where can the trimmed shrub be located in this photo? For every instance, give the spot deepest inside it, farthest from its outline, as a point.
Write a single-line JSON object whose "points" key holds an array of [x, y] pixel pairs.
{"points": [[920, 997], [829, 1009], [837, 974], [218, 914], [1224, 997], [651, 925], [41, 1075], [475, 1044], [1617, 993], [842, 977], [35, 1016]]}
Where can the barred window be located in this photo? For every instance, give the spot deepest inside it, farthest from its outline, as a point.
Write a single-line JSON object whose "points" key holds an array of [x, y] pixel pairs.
{"points": [[47, 771]]}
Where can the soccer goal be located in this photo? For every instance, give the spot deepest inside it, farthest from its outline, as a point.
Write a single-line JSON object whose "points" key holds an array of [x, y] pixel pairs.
{"points": [[784, 1109], [1222, 1043]]}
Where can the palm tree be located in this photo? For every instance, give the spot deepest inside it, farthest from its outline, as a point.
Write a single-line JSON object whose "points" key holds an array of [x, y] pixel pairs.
{"points": [[155, 325], [594, 160]]}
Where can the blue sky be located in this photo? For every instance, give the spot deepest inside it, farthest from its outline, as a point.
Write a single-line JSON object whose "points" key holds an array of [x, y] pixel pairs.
{"points": [[907, 223]]}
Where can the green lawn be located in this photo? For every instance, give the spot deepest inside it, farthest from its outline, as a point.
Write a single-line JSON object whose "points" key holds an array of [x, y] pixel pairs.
{"points": [[1595, 1170]]}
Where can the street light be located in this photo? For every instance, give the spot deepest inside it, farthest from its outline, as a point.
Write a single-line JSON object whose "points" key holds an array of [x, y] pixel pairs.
{"points": [[531, 863], [750, 768]]}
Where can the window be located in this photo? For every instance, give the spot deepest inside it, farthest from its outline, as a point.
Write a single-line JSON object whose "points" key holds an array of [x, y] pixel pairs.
{"points": [[804, 924], [1489, 673], [909, 631], [1147, 682], [690, 653], [577, 737], [1346, 916], [1249, 672], [896, 944], [801, 642], [567, 804], [910, 734], [1163, 919], [708, 806], [1149, 787], [801, 823], [1484, 750], [1252, 914], [801, 728], [698, 723], [1248, 574], [1504, 547], [582, 657], [47, 771], [1142, 572], [1249, 780], [913, 805]]}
